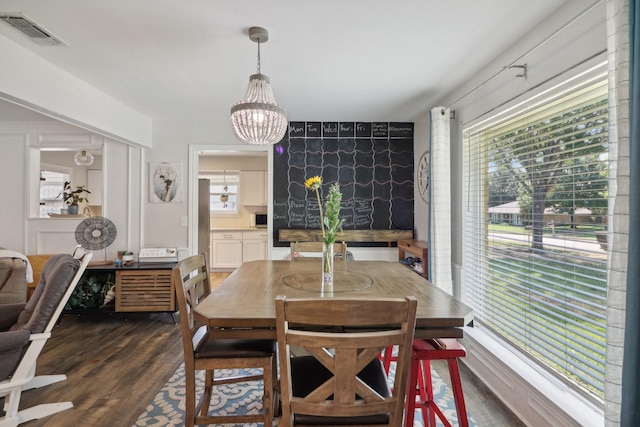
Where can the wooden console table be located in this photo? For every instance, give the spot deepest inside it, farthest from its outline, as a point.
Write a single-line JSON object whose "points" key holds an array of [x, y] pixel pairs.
{"points": [[417, 248], [141, 286]]}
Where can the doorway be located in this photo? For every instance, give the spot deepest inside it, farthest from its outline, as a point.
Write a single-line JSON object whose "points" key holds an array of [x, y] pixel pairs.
{"points": [[195, 152]]}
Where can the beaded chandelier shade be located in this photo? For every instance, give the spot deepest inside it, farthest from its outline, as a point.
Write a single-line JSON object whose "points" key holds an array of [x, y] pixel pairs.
{"points": [[258, 119]]}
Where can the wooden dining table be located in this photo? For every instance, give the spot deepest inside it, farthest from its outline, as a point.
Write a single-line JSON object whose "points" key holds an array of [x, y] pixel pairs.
{"points": [[243, 305]]}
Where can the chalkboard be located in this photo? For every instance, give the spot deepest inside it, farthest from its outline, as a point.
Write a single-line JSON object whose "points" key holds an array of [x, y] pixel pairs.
{"points": [[372, 162]]}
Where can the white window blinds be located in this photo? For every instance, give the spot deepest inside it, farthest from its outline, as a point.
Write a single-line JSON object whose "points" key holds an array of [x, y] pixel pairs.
{"points": [[535, 260]]}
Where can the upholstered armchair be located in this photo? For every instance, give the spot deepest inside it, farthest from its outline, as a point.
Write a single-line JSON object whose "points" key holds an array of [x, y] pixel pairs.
{"points": [[13, 280], [24, 330]]}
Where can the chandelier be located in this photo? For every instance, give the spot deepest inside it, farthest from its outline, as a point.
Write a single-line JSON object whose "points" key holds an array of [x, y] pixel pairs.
{"points": [[257, 119], [83, 158]]}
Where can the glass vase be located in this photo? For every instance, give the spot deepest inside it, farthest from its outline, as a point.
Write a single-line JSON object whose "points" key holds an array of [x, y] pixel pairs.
{"points": [[327, 267]]}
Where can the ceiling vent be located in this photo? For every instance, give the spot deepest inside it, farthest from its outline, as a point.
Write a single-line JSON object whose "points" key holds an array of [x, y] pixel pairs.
{"points": [[30, 29]]}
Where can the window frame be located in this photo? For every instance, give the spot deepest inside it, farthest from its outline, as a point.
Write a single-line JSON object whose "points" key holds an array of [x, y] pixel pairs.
{"points": [[63, 170], [476, 194]]}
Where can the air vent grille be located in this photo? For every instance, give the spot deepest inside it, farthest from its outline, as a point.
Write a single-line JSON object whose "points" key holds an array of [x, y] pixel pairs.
{"points": [[30, 29]]}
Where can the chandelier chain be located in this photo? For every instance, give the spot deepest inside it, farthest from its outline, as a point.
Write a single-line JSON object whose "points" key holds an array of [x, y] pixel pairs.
{"points": [[258, 56]]}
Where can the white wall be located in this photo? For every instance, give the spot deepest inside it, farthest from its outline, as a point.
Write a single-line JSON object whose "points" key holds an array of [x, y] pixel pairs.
{"points": [[13, 204], [30, 81], [20, 142], [421, 140], [171, 140]]}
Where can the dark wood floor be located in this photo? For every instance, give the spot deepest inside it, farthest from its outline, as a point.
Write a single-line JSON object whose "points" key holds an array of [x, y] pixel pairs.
{"points": [[116, 364]]}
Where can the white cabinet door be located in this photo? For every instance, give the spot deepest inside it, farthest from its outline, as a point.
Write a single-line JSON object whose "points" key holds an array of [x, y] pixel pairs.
{"points": [[253, 250], [254, 188], [254, 245], [226, 250]]}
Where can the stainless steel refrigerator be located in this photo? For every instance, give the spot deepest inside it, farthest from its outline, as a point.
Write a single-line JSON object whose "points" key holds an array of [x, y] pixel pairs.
{"points": [[204, 218]]}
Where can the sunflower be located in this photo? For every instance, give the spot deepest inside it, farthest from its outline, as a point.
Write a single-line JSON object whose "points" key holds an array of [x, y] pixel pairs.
{"points": [[330, 223], [313, 183]]}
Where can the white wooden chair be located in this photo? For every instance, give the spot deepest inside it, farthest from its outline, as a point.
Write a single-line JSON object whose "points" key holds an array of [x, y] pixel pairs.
{"points": [[26, 336]]}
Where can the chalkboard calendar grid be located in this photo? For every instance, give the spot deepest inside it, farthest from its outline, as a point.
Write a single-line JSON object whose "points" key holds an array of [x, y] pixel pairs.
{"points": [[372, 162]]}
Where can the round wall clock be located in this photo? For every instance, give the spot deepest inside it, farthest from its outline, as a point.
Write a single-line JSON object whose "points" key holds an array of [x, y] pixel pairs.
{"points": [[422, 176]]}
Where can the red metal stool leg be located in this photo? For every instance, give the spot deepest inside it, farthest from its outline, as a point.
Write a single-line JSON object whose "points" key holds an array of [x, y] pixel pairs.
{"points": [[426, 394], [458, 397], [412, 389], [421, 386], [387, 357]]}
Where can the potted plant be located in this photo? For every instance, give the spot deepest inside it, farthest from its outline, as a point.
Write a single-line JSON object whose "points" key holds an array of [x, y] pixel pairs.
{"points": [[224, 197], [127, 257], [74, 197]]}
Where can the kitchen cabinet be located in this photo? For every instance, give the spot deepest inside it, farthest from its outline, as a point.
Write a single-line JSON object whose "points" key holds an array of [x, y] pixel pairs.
{"points": [[254, 245], [229, 249], [254, 188], [226, 249]]}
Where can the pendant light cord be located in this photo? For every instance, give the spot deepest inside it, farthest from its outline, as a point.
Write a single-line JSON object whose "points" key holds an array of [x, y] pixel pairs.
{"points": [[258, 56]]}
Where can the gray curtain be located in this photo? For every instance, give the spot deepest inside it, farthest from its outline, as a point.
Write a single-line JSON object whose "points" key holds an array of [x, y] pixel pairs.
{"points": [[630, 409]]}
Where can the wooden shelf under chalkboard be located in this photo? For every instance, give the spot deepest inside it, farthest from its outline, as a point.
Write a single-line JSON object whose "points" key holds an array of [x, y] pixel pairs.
{"points": [[385, 236]]}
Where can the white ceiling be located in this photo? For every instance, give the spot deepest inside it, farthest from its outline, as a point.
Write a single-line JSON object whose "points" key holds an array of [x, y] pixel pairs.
{"points": [[330, 60]]}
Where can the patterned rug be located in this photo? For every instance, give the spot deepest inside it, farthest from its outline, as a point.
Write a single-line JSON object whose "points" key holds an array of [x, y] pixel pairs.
{"points": [[167, 408]]}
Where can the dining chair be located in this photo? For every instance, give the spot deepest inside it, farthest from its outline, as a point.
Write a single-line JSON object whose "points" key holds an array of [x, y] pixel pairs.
{"points": [[339, 249], [202, 351], [339, 380]]}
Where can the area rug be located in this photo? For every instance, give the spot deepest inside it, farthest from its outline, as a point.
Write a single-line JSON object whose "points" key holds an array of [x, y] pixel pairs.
{"points": [[167, 407]]}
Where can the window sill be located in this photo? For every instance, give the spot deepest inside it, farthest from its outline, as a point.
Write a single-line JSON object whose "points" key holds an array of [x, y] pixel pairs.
{"points": [[535, 397]]}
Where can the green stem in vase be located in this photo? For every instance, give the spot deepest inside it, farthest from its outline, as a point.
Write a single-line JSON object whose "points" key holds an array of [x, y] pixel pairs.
{"points": [[321, 218]]}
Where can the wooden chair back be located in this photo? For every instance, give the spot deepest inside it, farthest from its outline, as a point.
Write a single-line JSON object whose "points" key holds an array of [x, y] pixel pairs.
{"points": [[339, 248], [191, 282], [204, 352], [345, 336]]}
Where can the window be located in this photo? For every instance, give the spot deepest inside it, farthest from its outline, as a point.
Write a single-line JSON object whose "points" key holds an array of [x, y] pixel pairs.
{"points": [[535, 260], [51, 185], [223, 191]]}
